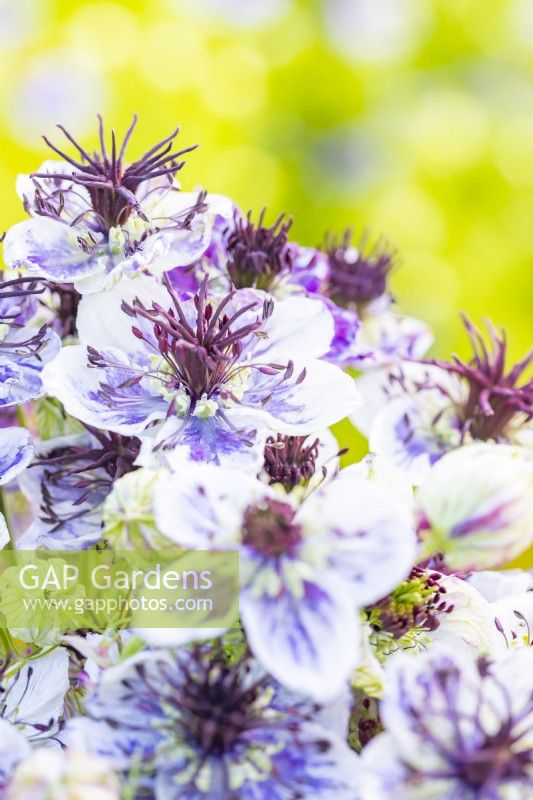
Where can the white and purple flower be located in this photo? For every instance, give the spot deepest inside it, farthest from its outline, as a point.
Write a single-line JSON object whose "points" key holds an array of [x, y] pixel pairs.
{"points": [[67, 483], [93, 217], [25, 345], [304, 569], [455, 728], [476, 506], [188, 724], [417, 411], [219, 374]]}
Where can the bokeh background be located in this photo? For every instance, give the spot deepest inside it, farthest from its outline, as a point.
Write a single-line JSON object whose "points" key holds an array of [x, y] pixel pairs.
{"points": [[413, 118]]}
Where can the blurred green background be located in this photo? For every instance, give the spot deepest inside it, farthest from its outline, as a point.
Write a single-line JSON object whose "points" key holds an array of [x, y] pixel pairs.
{"points": [[413, 118]]}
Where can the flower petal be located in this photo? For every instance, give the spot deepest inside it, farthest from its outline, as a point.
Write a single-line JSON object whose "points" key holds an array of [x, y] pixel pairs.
{"points": [[16, 452], [309, 643], [126, 410], [43, 246]]}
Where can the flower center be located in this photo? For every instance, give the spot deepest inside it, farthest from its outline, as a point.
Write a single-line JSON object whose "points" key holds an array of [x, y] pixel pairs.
{"points": [[414, 606], [210, 702], [203, 358], [290, 460], [110, 183], [270, 529], [357, 275], [495, 400], [257, 255]]}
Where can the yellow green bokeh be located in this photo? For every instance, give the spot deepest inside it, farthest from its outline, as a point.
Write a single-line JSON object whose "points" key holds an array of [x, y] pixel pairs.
{"points": [[411, 117]]}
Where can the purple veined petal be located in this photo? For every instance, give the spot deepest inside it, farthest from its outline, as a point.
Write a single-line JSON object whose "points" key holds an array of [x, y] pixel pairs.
{"points": [[308, 643], [212, 441], [316, 396], [36, 695], [307, 761], [365, 533], [21, 375], [16, 452], [388, 337], [345, 349], [126, 410], [415, 432], [44, 247]]}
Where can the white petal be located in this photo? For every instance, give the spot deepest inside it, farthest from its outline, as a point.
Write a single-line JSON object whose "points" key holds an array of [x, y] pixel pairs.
{"points": [[298, 326], [325, 396], [203, 507], [310, 645], [102, 323], [364, 531]]}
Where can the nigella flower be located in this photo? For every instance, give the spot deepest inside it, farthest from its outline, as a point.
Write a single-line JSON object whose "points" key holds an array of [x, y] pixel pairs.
{"points": [[94, 217], [423, 410], [476, 506], [217, 371], [456, 728], [248, 254], [25, 347], [67, 484], [368, 329], [304, 568], [187, 724]]}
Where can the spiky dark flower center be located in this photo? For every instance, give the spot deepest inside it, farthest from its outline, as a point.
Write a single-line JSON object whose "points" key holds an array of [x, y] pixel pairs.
{"points": [[415, 605], [88, 470], [110, 182], [290, 460], [270, 529], [357, 275], [210, 703], [495, 399], [202, 357], [257, 255]]}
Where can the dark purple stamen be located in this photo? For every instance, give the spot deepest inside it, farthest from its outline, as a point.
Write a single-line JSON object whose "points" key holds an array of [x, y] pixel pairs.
{"points": [[398, 622], [257, 255], [111, 184], [290, 460], [213, 703], [357, 275], [270, 529], [89, 469], [202, 357], [495, 399]]}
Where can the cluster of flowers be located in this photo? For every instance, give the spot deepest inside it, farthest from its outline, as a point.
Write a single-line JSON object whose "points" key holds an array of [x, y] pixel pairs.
{"points": [[169, 369]]}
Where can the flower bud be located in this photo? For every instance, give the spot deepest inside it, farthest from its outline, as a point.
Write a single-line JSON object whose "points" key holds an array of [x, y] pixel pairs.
{"points": [[128, 513], [476, 506]]}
